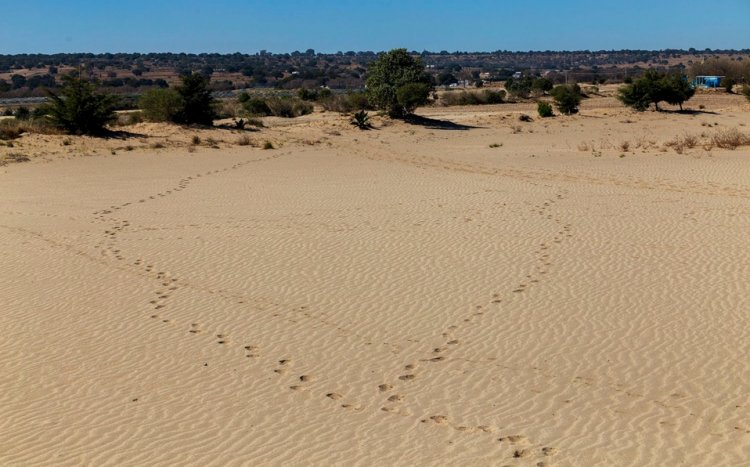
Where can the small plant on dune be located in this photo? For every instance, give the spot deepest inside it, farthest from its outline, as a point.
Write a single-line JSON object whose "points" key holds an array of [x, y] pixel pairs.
{"points": [[361, 120], [244, 141], [239, 124], [196, 140], [496, 145], [544, 109], [268, 145]]}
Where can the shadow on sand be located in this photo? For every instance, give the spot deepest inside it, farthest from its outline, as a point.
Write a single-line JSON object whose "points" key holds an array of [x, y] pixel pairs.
{"points": [[435, 124]]}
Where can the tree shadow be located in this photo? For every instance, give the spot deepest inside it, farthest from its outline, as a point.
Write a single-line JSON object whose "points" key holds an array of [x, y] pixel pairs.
{"points": [[119, 134], [690, 112], [435, 124]]}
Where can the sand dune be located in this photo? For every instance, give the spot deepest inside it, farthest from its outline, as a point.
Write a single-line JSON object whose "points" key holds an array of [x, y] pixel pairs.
{"points": [[407, 295]]}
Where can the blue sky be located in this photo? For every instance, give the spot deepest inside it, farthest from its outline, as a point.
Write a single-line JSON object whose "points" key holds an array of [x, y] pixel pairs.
{"points": [[47, 26]]}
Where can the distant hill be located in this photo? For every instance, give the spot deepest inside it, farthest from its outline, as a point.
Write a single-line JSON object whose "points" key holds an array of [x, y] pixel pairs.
{"points": [[25, 75]]}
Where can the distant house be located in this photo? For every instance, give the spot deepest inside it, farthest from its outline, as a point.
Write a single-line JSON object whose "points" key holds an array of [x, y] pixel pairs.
{"points": [[705, 81]]}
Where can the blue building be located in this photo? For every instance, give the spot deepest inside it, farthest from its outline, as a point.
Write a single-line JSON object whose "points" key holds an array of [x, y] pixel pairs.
{"points": [[702, 81]]}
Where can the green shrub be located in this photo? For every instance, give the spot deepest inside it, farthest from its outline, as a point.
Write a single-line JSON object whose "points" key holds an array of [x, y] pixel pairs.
{"points": [[22, 113], [78, 108], [307, 94], [728, 84], [161, 104], [544, 109], [361, 120], [567, 98], [256, 106], [519, 87], [412, 95]]}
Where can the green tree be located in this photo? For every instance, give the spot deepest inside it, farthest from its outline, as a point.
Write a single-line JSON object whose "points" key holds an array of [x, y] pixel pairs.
{"points": [[78, 108], [392, 71], [654, 87], [567, 98], [161, 104], [675, 89], [197, 102]]}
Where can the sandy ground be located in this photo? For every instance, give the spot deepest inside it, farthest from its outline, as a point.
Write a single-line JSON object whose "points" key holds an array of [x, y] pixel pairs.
{"points": [[570, 291]]}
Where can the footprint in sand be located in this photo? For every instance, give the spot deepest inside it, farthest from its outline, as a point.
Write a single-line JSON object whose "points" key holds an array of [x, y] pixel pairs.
{"points": [[396, 398], [334, 395], [385, 387], [408, 377]]}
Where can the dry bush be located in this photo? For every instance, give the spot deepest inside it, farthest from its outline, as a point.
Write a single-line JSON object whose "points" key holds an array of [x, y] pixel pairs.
{"points": [[230, 109], [288, 107], [625, 146], [484, 97], [730, 139], [244, 141], [682, 142]]}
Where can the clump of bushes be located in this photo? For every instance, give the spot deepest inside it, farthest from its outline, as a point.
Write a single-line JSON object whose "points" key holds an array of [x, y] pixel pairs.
{"points": [[278, 106], [346, 103], [288, 107], [484, 97], [544, 109], [567, 98]]}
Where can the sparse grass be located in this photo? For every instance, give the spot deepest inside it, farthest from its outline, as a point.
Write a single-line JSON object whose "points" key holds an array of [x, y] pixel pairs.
{"points": [[13, 128], [731, 138], [196, 140], [496, 145], [625, 146], [515, 129], [212, 143], [157, 145], [129, 147], [14, 157], [244, 141], [256, 122], [268, 145]]}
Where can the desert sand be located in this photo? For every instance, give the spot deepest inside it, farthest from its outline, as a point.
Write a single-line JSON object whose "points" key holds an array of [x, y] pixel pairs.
{"points": [[569, 291]]}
